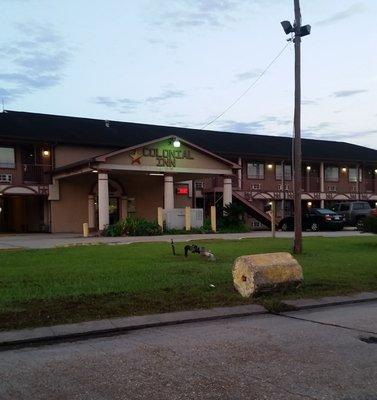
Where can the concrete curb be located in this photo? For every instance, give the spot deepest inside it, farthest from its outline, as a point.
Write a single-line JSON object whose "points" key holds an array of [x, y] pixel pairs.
{"points": [[303, 304], [109, 327]]}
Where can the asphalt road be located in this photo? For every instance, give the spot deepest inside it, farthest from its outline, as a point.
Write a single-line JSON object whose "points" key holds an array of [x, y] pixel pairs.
{"points": [[314, 354]]}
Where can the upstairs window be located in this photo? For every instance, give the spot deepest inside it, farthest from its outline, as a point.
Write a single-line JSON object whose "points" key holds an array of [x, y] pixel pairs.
{"points": [[332, 174], [287, 172], [352, 174], [7, 159], [255, 170]]}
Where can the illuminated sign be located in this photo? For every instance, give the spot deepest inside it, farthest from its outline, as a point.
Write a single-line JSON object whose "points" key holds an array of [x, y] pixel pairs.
{"points": [[182, 191], [164, 157]]}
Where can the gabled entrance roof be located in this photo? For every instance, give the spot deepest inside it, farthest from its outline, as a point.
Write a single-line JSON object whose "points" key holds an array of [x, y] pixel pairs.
{"points": [[157, 155]]}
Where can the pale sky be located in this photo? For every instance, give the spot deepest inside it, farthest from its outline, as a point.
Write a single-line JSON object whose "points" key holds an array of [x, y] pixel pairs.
{"points": [[182, 62]]}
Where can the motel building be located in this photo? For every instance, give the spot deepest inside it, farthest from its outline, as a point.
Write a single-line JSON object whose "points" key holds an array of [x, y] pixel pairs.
{"points": [[58, 172]]}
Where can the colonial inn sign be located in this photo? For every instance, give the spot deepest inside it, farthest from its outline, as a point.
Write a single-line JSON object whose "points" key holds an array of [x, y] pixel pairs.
{"points": [[164, 157]]}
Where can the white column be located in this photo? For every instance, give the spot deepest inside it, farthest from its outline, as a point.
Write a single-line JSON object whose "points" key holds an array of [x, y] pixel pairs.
{"points": [[124, 207], [239, 173], [322, 182], [358, 181], [103, 201], [168, 192], [227, 191], [322, 177], [91, 212]]}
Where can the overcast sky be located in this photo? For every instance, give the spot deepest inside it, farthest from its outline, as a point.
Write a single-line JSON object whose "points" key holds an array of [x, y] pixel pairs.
{"points": [[182, 62]]}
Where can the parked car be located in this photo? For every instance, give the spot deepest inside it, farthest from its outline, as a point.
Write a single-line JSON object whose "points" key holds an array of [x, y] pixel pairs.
{"points": [[353, 211], [315, 219]]}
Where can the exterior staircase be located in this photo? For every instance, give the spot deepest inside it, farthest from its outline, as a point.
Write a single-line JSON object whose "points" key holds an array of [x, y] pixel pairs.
{"points": [[255, 212]]}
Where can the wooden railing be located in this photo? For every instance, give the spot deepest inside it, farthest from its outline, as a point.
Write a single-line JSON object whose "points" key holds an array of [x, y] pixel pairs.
{"points": [[36, 173]]}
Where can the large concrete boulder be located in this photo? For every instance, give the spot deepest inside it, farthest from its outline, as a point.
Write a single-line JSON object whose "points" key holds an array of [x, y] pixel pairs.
{"points": [[263, 272]]}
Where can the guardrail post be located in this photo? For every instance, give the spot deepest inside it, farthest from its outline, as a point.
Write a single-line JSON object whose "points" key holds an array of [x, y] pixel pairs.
{"points": [[213, 218], [188, 218]]}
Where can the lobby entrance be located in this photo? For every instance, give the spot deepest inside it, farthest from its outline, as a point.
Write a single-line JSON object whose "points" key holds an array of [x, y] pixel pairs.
{"points": [[22, 214]]}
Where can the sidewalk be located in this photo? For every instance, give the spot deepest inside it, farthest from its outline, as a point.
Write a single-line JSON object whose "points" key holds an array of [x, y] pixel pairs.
{"points": [[51, 240], [108, 327]]}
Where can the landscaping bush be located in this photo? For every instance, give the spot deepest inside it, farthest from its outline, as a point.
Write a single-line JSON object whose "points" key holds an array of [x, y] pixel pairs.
{"points": [[370, 224], [232, 219], [133, 226]]}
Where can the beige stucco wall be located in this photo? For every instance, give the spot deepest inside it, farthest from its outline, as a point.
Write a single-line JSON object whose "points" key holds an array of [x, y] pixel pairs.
{"points": [[71, 211], [65, 155]]}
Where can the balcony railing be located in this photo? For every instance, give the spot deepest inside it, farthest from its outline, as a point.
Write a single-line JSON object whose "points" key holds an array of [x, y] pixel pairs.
{"points": [[34, 173], [311, 184], [218, 181], [368, 185]]}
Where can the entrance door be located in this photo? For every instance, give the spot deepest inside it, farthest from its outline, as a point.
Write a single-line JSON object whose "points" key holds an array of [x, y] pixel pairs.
{"points": [[21, 213], [113, 210]]}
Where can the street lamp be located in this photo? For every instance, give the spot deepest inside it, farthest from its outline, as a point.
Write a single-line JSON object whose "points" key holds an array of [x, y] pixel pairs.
{"points": [[298, 31]]}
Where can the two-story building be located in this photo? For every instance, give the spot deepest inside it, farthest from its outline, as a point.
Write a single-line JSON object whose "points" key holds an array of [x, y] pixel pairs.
{"points": [[57, 172]]}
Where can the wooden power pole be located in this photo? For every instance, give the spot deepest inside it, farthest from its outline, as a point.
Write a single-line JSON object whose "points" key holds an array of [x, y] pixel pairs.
{"points": [[297, 158], [298, 31]]}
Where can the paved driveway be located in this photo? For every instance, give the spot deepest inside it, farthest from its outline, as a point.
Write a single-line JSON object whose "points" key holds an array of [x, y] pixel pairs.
{"points": [[48, 240], [314, 354]]}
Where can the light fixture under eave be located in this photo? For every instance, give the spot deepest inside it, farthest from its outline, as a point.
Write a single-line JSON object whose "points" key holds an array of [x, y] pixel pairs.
{"points": [[46, 153], [344, 169], [94, 171], [308, 167], [155, 174], [176, 143]]}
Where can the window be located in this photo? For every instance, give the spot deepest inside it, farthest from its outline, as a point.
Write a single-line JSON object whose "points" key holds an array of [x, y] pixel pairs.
{"points": [[287, 172], [7, 157], [358, 206], [332, 174], [255, 170], [352, 174]]}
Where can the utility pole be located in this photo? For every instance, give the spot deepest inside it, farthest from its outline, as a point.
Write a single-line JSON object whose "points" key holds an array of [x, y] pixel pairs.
{"points": [[297, 247], [298, 32]]}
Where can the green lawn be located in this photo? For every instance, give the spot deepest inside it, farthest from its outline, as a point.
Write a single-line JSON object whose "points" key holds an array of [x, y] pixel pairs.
{"points": [[45, 287]]}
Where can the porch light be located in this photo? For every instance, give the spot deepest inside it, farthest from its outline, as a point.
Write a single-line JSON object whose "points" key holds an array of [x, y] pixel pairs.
{"points": [[309, 203], [46, 153], [375, 171], [344, 169], [156, 174], [95, 171], [176, 143], [308, 168], [269, 166]]}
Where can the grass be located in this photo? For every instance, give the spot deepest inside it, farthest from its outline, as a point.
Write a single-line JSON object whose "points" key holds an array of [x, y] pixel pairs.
{"points": [[45, 287]]}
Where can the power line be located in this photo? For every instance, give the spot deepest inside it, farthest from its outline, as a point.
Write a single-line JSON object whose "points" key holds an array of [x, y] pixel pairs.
{"points": [[248, 89]]}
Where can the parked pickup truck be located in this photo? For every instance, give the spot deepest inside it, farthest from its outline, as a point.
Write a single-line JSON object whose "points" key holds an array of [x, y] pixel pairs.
{"points": [[353, 211]]}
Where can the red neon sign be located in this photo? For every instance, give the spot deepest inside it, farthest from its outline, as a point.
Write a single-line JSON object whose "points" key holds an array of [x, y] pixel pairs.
{"points": [[182, 191]]}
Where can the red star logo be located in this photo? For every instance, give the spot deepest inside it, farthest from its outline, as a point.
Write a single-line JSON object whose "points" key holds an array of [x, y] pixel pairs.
{"points": [[136, 156]]}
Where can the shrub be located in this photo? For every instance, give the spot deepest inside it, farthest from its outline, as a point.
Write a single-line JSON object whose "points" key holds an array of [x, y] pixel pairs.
{"points": [[232, 219], [370, 224], [133, 226]]}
